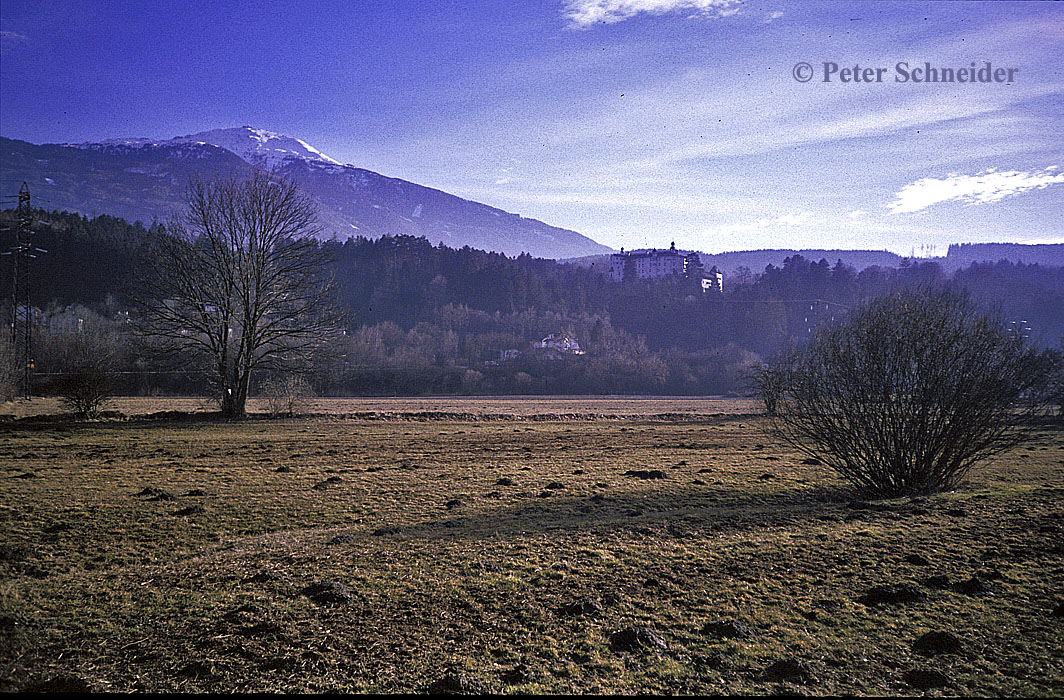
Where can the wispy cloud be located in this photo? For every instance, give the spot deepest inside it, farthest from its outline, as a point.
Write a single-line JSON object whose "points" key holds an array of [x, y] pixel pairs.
{"points": [[988, 186], [717, 147], [785, 220], [585, 13], [9, 40]]}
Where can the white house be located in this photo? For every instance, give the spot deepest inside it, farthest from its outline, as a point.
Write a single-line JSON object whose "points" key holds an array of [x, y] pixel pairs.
{"points": [[560, 344]]}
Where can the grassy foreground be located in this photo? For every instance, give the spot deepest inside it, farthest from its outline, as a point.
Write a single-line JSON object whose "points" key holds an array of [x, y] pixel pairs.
{"points": [[498, 547]]}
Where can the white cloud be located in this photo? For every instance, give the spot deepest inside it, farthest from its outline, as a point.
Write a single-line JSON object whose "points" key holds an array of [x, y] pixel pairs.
{"points": [[772, 16], [585, 13], [789, 219], [604, 197], [9, 40], [506, 175], [988, 186]]}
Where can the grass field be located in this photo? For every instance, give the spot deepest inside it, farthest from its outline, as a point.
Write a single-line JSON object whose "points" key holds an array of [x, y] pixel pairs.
{"points": [[498, 545], [399, 407]]}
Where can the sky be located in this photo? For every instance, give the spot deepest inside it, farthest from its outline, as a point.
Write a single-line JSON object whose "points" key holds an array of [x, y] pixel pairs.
{"points": [[635, 122]]}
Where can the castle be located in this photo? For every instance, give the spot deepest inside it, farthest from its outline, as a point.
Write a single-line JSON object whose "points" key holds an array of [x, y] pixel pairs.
{"points": [[654, 263]]}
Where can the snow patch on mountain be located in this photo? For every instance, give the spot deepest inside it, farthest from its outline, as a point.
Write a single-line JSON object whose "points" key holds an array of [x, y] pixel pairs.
{"points": [[131, 142], [259, 147], [174, 147]]}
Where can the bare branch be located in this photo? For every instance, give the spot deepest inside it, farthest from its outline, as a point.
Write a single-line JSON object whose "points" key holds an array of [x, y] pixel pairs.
{"points": [[907, 394]]}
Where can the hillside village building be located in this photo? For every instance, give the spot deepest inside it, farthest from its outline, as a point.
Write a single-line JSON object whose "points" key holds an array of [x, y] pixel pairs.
{"points": [[713, 279], [656, 264], [558, 344]]}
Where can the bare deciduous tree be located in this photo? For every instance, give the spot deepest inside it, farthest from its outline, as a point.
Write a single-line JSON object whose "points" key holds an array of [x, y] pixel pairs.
{"points": [[908, 393], [239, 281]]}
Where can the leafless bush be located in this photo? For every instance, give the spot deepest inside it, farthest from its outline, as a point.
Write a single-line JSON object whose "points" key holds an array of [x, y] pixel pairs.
{"points": [[86, 383], [286, 395], [908, 393], [1056, 385], [9, 372], [768, 379]]}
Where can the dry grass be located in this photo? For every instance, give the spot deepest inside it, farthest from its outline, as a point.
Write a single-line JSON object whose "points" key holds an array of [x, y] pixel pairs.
{"points": [[490, 406], [105, 589]]}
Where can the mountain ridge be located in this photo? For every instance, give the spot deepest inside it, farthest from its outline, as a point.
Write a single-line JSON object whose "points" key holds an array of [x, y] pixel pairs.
{"points": [[144, 179]]}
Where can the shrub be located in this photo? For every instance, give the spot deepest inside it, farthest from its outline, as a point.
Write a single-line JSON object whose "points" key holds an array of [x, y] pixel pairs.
{"points": [[286, 395], [908, 393], [10, 373], [86, 382]]}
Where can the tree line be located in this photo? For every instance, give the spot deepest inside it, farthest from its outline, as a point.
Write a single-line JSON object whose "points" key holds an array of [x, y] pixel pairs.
{"points": [[424, 319]]}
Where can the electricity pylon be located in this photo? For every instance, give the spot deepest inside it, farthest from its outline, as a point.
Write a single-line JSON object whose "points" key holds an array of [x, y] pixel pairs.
{"points": [[21, 312]]}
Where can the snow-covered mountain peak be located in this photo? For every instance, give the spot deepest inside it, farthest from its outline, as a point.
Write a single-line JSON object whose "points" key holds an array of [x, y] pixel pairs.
{"points": [[259, 147]]}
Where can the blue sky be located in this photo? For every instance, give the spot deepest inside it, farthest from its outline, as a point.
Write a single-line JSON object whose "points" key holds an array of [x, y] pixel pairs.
{"points": [[636, 122]]}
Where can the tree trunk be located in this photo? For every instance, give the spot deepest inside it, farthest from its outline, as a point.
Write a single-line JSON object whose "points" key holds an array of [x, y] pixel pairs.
{"points": [[234, 400]]}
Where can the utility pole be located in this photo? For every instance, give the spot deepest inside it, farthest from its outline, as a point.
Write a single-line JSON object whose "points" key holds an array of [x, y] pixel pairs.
{"points": [[21, 313]]}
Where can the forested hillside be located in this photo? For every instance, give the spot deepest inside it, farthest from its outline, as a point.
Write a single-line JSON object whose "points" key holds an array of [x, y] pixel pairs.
{"points": [[430, 319]]}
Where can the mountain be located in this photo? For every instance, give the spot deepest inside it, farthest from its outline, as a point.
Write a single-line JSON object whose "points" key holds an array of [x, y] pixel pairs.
{"points": [[138, 182], [142, 179]]}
